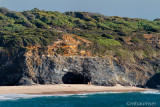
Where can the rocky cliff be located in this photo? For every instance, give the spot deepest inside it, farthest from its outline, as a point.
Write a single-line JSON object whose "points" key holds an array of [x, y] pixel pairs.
{"points": [[62, 62], [46, 47]]}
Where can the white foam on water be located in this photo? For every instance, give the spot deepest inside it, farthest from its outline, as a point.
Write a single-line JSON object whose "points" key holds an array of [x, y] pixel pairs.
{"points": [[4, 97], [19, 96], [150, 92], [93, 93]]}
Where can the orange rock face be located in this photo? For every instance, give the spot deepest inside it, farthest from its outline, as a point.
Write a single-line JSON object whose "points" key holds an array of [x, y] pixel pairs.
{"points": [[67, 46], [151, 38]]}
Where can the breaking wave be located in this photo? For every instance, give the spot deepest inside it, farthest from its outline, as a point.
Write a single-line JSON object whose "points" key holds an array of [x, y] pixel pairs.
{"points": [[150, 92], [4, 97]]}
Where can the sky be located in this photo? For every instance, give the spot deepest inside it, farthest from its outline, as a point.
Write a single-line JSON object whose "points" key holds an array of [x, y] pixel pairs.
{"points": [[146, 9]]}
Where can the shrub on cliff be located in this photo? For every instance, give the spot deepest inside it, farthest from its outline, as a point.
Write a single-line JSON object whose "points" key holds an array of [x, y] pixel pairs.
{"points": [[135, 40], [39, 27]]}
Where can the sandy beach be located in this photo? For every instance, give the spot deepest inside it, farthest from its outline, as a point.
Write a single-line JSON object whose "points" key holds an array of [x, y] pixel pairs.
{"points": [[65, 89]]}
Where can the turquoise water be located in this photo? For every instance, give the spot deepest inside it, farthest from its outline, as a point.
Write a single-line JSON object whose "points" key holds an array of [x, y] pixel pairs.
{"points": [[134, 99]]}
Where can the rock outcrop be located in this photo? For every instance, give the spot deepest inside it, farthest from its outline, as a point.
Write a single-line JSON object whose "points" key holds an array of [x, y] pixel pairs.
{"points": [[70, 66]]}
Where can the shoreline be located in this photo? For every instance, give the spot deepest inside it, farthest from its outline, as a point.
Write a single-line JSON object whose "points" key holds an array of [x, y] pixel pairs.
{"points": [[67, 89]]}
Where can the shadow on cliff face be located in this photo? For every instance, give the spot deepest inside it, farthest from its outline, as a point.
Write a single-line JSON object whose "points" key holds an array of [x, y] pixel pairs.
{"points": [[75, 78], [11, 69], [153, 81]]}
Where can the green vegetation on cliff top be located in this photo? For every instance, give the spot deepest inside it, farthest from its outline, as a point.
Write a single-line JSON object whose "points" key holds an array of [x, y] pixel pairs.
{"points": [[121, 35]]}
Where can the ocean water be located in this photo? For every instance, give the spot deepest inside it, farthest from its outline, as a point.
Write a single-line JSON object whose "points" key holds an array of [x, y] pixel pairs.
{"points": [[132, 99]]}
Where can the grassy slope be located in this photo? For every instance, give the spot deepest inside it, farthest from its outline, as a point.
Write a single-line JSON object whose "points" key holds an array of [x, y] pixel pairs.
{"points": [[117, 36]]}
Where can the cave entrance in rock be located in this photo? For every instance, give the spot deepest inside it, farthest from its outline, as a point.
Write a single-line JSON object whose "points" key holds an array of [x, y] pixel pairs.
{"points": [[75, 78]]}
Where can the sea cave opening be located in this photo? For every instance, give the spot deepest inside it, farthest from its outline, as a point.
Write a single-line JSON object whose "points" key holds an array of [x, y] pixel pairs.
{"points": [[75, 78]]}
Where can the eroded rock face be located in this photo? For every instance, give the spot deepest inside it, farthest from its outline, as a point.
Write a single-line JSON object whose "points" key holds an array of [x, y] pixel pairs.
{"points": [[56, 69], [62, 62]]}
